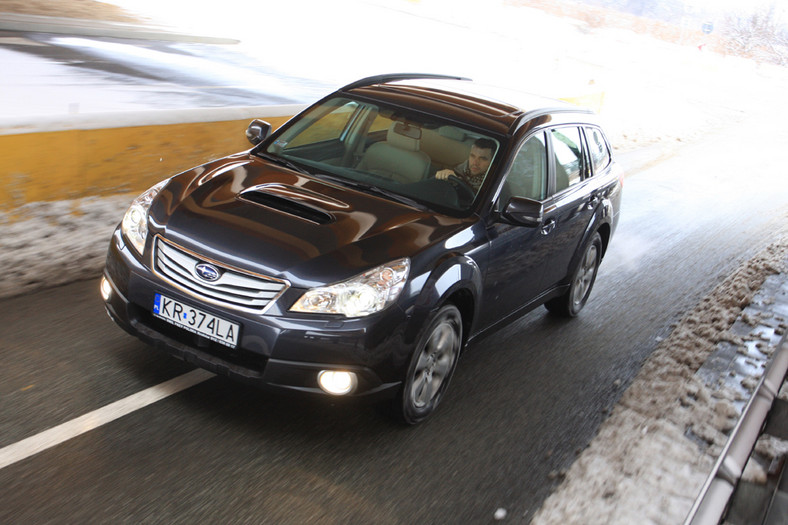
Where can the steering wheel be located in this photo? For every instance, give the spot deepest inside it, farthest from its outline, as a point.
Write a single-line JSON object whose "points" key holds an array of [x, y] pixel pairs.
{"points": [[465, 193]]}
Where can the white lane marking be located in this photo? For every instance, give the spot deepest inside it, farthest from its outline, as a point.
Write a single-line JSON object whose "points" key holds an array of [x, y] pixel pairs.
{"points": [[92, 420]]}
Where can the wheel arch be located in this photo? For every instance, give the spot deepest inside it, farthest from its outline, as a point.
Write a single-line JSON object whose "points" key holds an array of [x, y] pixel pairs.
{"points": [[465, 302], [604, 232], [455, 280]]}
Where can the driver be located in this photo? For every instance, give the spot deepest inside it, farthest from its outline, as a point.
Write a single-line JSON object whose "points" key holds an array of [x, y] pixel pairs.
{"points": [[473, 170]]}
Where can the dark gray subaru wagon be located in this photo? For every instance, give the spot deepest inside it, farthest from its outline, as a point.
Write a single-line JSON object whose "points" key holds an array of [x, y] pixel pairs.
{"points": [[360, 247]]}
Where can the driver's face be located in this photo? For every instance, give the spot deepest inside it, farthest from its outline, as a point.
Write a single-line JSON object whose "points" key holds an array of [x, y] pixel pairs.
{"points": [[479, 160]]}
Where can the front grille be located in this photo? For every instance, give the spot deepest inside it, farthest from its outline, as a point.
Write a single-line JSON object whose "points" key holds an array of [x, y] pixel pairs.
{"points": [[234, 288]]}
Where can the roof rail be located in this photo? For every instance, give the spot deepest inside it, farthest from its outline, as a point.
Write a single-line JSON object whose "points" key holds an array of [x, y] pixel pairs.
{"points": [[393, 77]]}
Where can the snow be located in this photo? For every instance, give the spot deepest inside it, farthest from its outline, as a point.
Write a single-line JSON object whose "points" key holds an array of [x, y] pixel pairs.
{"points": [[51, 243]]}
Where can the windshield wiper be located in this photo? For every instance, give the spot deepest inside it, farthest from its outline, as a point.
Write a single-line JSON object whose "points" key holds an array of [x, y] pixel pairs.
{"points": [[396, 197], [284, 162], [377, 190]]}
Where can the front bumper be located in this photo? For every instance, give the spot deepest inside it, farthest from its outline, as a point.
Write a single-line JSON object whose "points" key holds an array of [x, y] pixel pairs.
{"points": [[281, 351]]}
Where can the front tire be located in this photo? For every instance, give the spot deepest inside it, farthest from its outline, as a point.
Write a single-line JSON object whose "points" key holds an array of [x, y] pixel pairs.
{"points": [[574, 299], [431, 366]]}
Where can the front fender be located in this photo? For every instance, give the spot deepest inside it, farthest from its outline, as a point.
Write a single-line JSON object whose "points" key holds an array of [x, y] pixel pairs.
{"points": [[452, 274]]}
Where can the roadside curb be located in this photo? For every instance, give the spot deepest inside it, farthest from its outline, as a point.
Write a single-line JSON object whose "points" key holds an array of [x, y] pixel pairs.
{"points": [[93, 28]]}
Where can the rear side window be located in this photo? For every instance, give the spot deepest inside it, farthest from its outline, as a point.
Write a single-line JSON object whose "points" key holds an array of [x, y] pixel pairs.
{"points": [[598, 150], [568, 153]]}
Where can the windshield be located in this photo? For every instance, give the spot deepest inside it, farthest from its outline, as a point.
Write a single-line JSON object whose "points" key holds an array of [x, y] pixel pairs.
{"points": [[398, 154]]}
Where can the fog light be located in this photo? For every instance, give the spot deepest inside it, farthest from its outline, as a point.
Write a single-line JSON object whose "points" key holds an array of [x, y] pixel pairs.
{"points": [[106, 289], [337, 382]]}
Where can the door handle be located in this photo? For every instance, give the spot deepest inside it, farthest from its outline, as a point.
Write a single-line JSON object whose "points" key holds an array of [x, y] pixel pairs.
{"points": [[593, 202], [548, 227]]}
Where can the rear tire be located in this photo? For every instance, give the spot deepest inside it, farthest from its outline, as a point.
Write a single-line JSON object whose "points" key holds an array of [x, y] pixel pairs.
{"points": [[574, 299], [431, 366]]}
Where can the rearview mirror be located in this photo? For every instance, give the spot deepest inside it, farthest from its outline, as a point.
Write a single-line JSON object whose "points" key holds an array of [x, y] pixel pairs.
{"points": [[525, 212], [257, 131]]}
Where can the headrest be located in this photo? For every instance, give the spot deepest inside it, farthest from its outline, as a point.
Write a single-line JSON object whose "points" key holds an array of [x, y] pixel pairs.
{"points": [[403, 136]]}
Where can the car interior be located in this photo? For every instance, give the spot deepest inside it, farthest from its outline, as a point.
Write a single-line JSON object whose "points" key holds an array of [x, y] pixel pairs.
{"points": [[378, 146]]}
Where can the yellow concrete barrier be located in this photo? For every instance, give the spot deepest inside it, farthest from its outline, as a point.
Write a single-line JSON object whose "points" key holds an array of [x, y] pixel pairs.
{"points": [[38, 164]]}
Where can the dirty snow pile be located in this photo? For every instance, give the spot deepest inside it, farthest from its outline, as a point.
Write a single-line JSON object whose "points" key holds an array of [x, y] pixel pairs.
{"points": [[51, 243], [653, 454]]}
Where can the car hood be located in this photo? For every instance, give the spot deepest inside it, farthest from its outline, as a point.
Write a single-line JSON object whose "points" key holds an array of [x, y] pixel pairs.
{"points": [[252, 214]]}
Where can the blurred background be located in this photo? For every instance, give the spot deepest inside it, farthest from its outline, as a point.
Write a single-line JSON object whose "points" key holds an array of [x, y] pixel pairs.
{"points": [[640, 63]]}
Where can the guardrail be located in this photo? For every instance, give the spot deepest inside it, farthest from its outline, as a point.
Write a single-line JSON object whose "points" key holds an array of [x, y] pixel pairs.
{"points": [[719, 486], [51, 159]]}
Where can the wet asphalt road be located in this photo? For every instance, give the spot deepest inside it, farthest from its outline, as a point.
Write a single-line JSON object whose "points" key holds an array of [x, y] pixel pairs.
{"points": [[524, 401]]}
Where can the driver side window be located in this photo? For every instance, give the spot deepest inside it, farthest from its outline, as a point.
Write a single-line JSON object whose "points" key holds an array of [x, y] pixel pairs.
{"points": [[528, 174]]}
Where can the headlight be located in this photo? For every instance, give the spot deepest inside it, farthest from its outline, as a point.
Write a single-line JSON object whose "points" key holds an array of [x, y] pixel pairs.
{"points": [[135, 222], [365, 294]]}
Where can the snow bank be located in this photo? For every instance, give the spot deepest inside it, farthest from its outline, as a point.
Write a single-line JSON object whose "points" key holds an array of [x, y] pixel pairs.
{"points": [[653, 454], [51, 243]]}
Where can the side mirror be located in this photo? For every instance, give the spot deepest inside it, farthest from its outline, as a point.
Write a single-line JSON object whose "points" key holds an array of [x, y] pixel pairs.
{"points": [[525, 212], [257, 131]]}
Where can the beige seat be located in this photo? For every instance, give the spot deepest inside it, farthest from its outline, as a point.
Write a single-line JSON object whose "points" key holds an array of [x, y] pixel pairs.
{"points": [[398, 157]]}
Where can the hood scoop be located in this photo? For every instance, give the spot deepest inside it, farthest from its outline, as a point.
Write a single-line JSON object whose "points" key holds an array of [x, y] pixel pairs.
{"points": [[293, 200]]}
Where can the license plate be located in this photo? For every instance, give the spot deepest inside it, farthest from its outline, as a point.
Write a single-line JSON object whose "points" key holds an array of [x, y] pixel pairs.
{"points": [[196, 321]]}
